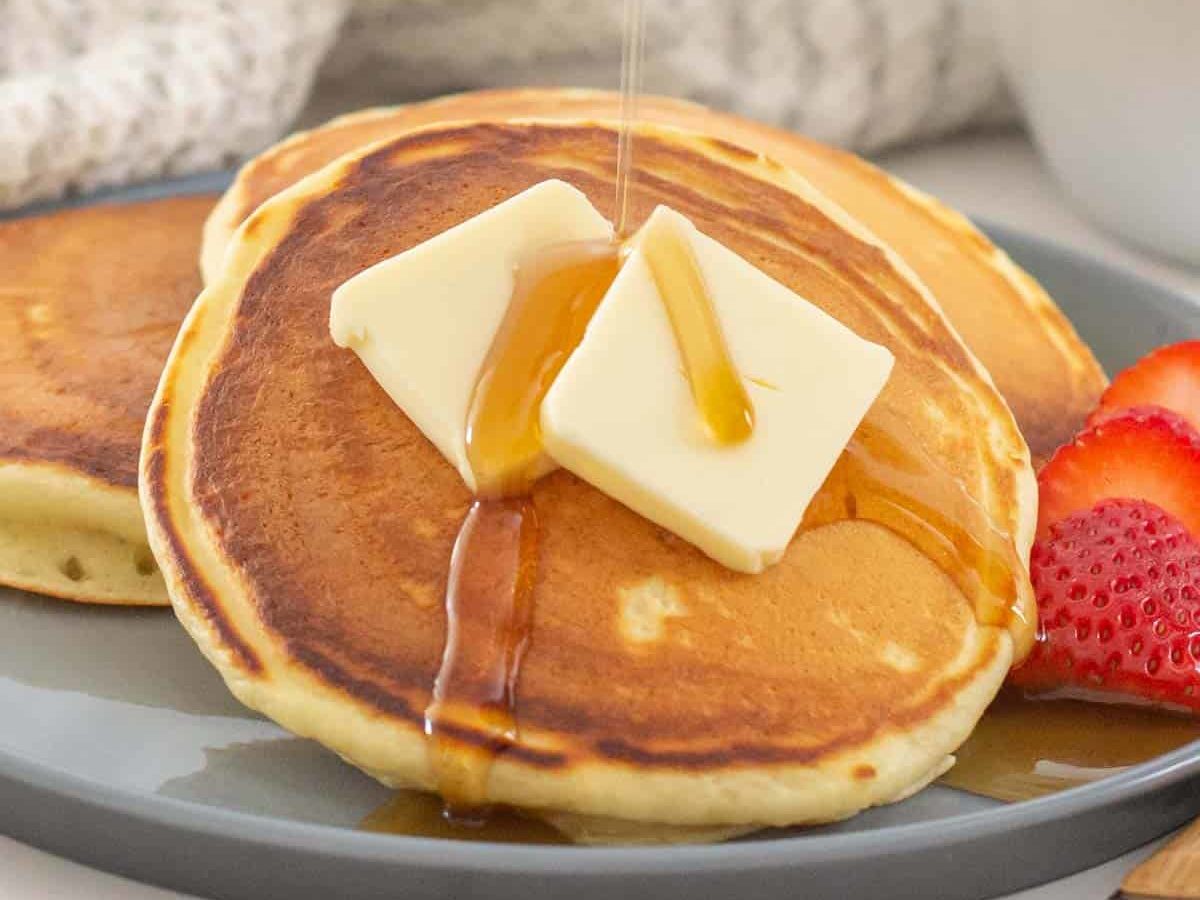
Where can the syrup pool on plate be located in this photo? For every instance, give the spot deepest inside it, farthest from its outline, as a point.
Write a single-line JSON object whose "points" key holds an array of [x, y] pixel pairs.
{"points": [[1026, 747], [417, 814]]}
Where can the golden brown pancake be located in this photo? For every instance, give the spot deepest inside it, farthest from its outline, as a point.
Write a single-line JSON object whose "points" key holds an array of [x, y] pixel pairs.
{"points": [[1042, 368], [90, 303], [305, 525]]}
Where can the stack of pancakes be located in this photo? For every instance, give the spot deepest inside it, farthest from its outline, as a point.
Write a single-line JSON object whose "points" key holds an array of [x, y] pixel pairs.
{"points": [[90, 302], [304, 525]]}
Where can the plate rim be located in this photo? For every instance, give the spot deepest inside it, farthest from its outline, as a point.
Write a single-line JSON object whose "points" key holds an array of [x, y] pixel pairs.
{"points": [[198, 819]]}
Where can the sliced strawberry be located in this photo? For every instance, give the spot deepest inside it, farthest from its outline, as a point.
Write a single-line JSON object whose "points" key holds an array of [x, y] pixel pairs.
{"points": [[1144, 454], [1118, 590], [1169, 377], [1100, 416]]}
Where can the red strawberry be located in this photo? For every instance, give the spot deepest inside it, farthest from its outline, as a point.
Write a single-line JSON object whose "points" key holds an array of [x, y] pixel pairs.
{"points": [[1099, 416], [1168, 377], [1118, 589], [1146, 454]]}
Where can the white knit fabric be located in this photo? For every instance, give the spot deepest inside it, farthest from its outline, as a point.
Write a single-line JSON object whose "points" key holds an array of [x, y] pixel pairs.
{"points": [[860, 73], [113, 91], [99, 92]]}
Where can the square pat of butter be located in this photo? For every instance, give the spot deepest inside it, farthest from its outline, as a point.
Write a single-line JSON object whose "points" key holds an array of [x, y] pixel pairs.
{"points": [[422, 321], [622, 417]]}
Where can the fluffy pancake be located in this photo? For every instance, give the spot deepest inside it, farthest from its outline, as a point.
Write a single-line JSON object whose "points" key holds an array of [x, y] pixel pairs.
{"points": [[305, 525], [1042, 368], [89, 306]]}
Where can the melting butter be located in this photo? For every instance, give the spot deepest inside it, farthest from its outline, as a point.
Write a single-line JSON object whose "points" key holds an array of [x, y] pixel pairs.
{"points": [[621, 417], [423, 321]]}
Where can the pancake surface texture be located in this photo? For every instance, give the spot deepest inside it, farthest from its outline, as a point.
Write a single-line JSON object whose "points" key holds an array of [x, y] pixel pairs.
{"points": [[305, 525], [1046, 373], [89, 306]]}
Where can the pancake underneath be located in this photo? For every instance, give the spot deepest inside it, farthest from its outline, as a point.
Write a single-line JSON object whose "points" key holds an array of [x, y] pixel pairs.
{"points": [[1047, 374], [305, 525], [89, 305]]}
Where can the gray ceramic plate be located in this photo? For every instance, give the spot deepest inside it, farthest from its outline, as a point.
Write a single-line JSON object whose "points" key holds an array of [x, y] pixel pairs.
{"points": [[119, 747]]}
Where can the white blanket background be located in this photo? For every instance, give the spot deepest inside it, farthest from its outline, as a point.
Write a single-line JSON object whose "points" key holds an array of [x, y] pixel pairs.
{"points": [[105, 92]]}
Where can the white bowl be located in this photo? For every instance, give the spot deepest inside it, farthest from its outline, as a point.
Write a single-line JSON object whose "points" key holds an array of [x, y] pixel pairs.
{"points": [[1111, 90]]}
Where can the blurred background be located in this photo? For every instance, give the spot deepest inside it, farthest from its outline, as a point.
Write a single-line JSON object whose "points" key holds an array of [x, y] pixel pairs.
{"points": [[96, 91], [105, 92]]}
